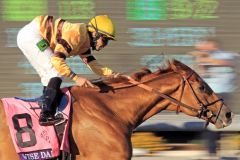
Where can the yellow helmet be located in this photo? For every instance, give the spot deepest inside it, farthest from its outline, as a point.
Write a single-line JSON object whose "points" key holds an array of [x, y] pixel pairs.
{"points": [[102, 24]]}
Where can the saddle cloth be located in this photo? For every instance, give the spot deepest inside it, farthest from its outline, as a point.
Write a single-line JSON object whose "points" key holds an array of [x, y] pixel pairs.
{"points": [[31, 140]]}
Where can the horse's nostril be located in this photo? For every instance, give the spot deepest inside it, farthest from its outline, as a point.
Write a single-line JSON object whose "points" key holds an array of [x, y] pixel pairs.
{"points": [[228, 115]]}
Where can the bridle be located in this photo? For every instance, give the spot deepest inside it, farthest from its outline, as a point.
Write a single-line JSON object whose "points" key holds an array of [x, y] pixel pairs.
{"points": [[202, 112]]}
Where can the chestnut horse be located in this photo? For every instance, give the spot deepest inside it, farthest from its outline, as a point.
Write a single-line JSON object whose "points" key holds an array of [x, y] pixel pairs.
{"points": [[103, 122]]}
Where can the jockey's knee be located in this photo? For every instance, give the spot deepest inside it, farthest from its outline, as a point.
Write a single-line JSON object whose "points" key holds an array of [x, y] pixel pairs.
{"points": [[54, 83]]}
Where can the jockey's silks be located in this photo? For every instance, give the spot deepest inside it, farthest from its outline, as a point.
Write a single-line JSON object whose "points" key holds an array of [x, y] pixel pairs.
{"points": [[70, 39], [74, 34]]}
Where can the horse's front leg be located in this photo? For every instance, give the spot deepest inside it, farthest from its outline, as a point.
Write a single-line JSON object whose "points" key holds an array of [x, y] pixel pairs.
{"points": [[107, 154], [102, 145]]}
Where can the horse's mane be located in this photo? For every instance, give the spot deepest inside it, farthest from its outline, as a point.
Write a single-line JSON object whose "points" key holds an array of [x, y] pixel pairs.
{"points": [[145, 73]]}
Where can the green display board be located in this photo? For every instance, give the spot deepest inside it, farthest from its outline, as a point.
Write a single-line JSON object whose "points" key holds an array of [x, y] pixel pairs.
{"points": [[171, 9], [146, 9], [197, 9], [76, 9], [23, 10]]}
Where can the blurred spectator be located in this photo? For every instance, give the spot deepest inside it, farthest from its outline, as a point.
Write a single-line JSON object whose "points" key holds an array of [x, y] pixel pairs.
{"points": [[216, 66]]}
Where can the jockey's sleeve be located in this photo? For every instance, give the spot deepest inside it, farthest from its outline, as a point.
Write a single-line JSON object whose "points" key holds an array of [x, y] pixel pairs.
{"points": [[61, 51], [58, 61], [93, 64], [63, 48]]}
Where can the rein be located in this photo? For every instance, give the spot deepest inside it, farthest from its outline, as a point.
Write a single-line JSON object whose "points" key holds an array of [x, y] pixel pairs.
{"points": [[165, 96], [203, 109]]}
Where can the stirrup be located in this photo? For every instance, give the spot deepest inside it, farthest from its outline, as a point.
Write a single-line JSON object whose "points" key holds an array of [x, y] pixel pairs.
{"points": [[46, 119]]}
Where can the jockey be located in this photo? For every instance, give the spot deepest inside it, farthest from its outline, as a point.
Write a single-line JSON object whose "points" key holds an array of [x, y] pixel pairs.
{"points": [[46, 43]]}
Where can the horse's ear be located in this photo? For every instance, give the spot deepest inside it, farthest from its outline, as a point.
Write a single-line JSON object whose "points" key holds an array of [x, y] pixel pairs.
{"points": [[179, 67]]}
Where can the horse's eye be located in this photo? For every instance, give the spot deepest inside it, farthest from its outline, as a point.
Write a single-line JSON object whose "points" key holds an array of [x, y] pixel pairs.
{"points": [[201, 88]]}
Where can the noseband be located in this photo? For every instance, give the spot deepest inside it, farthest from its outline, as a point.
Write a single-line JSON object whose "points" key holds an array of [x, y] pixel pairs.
{"points": [[202, 112]]}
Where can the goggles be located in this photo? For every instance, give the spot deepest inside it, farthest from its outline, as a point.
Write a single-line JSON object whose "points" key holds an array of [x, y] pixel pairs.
{"points": [[105, 39]]}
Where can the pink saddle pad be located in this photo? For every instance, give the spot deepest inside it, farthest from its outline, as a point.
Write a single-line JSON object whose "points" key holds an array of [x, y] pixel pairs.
{"points": [[31, 140]]}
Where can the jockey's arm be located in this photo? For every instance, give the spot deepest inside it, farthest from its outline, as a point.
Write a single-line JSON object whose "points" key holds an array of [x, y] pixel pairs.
{"points": [[58, 61], [93, 64]]}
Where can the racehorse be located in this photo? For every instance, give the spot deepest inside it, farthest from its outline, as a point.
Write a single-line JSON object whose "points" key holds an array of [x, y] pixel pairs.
{"points": [[103, 121]]}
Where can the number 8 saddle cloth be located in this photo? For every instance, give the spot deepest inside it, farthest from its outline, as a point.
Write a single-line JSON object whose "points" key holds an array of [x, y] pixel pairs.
{"points": [[31, 140]]}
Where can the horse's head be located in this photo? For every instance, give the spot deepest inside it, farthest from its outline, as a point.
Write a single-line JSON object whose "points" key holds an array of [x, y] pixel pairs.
{"points": [[198, 99], [184, 88]]}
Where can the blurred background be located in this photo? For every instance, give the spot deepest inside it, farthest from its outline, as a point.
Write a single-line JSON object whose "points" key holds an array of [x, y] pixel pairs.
{"points": [[204, 34]]}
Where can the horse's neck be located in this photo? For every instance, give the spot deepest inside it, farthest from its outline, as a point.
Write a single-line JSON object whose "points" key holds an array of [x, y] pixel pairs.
{"points": [[155, 103], [143, 104], [129, 106]]}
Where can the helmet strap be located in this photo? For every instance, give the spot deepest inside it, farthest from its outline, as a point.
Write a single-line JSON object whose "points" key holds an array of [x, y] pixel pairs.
{"points": [[93, 40], [96, 37]]}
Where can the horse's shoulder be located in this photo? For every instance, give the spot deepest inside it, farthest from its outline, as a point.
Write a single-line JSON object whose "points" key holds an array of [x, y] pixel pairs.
{"points": [[73, 89], [80, 92]]}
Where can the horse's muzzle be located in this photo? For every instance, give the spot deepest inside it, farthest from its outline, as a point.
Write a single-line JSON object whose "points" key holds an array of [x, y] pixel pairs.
{"points": [[224, 120]]}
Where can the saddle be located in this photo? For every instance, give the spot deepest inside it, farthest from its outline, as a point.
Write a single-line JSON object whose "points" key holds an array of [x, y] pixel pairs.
{"points": [[31, 140]]}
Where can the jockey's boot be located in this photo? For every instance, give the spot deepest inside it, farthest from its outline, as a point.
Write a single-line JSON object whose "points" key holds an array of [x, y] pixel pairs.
{"points": [[46, 117]]}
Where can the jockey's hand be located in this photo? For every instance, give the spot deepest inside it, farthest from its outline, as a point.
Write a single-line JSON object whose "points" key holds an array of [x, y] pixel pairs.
{"points": [[83, 82], [118, 76], [114, 75]]}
